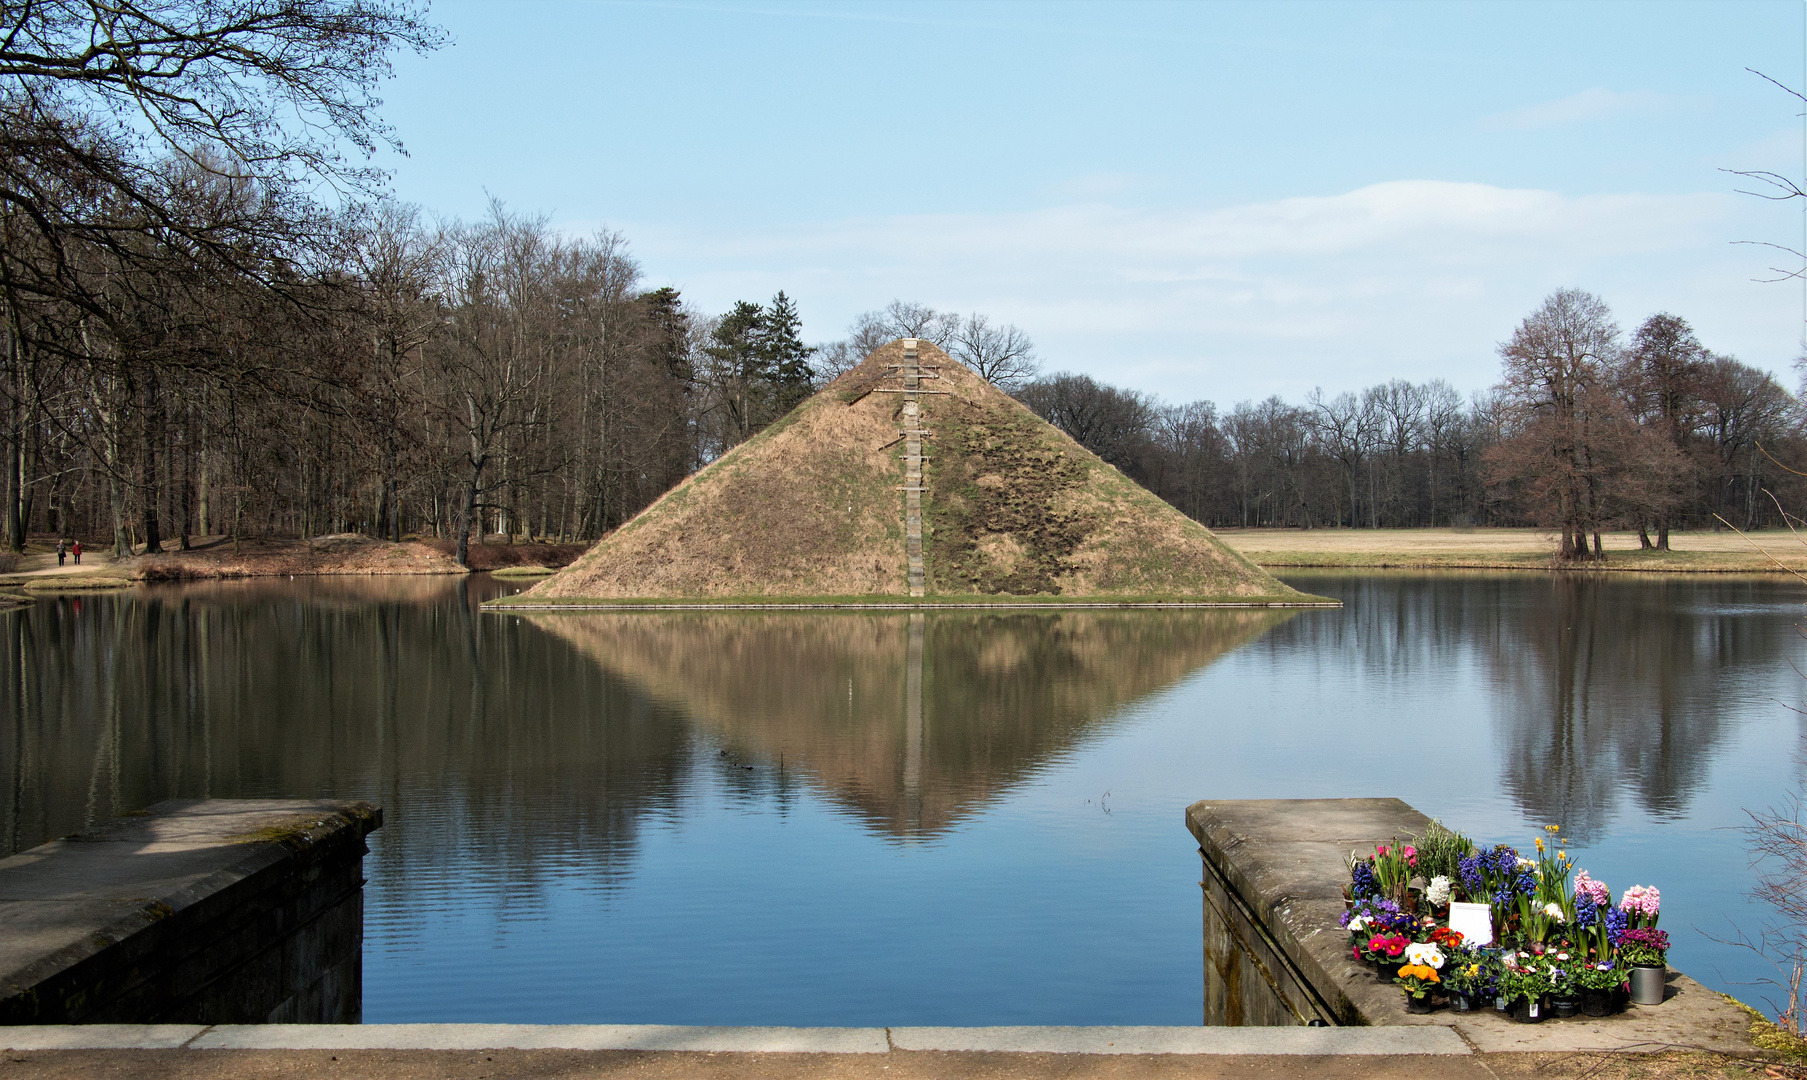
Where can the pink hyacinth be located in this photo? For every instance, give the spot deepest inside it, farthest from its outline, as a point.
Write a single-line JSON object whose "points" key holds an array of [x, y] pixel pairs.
{"points": [[1592, 890], [1641, 900]]}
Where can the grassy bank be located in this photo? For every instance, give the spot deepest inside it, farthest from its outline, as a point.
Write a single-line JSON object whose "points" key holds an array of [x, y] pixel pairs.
{"points": [[1511, 549]]}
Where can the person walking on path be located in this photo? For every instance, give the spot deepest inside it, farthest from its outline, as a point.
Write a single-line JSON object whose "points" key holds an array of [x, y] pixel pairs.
{"points": [[76, 550], [62, 551]]}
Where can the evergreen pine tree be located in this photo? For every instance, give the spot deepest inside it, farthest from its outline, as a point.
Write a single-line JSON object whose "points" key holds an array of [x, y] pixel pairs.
{"points": [[785, 357], [735, 352]]}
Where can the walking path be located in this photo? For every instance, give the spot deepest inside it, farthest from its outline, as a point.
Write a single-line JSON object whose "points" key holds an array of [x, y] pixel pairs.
{"points": [[650, 1052], [44, 565]]}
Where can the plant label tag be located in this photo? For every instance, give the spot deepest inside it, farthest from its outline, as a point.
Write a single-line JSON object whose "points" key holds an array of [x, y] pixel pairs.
{"points": [[1533, 1009], [1473, 921]]}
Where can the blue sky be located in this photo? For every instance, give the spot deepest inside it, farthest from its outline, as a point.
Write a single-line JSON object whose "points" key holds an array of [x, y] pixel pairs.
{"points": [[1217, 201]]}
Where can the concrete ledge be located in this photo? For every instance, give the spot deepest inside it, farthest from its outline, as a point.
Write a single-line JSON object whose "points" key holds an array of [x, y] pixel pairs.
{"points": [[98, 1036], [1247, 1041], [732, 1040], [1289, 1041]]}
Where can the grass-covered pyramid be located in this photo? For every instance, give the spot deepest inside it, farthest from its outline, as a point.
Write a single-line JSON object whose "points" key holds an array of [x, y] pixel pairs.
{"points": [[812, 509]]}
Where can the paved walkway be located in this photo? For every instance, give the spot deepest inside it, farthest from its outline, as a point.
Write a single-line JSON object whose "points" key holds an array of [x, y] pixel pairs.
{"points": [[650, 1052]]}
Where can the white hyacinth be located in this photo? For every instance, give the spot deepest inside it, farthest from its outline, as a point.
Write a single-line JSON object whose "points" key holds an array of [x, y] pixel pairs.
{"points": [[1437, 892]]}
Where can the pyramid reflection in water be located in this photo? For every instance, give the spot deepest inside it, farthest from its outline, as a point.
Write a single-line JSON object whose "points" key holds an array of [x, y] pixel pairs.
{"points": [[912, 720]]}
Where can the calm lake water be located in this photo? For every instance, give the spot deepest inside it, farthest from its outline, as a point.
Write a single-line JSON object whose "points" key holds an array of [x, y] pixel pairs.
{"points": [[747, 818]]}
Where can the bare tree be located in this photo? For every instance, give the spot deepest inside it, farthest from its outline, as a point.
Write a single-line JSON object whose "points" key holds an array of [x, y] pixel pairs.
{"points": [[1556, 372], [1662, 375], [1345, 428], [1003, 355], [900, 319]]}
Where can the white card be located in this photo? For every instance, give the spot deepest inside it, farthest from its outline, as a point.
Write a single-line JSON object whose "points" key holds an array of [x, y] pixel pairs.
{"points": [[1473, 921]]}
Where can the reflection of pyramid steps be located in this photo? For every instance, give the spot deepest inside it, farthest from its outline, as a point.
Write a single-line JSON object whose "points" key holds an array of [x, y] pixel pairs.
{"points": [[1007, 506], [913, 720]]}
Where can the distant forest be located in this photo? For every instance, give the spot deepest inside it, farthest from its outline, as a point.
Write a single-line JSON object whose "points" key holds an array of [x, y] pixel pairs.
{"points": [[1588, 429], [193, 343]]}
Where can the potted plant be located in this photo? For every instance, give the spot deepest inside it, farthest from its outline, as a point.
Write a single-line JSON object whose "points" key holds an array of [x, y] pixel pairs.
{"points": [[1468, 978], [1565, 991], [1645, 950], [1599, 982], [1418, 980], [1524, 983]]}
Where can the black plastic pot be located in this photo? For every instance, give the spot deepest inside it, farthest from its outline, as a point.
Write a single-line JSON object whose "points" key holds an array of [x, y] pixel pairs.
{"points": [[1563, 1008], [1528, 1010], [1460, 1002], [1419, 1004], [1599, 1002]]}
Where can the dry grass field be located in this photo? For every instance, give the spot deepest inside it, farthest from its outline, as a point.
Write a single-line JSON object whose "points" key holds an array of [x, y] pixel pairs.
{"points": [[1486, 549]]}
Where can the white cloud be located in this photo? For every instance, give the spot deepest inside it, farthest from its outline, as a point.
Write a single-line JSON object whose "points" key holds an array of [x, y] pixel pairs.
{"points": [[1414, 279], [1594, 103]]}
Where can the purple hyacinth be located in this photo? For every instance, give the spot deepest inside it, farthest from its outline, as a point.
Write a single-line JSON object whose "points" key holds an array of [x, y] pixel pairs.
{"points": [[1363, 883], [1470, 871], [1584, 916], [1505, 861], [1527, 883], [1616, 921]]}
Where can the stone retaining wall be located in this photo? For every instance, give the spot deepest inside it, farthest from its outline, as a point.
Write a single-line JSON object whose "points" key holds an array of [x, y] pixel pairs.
{"points": [[194, 911]]}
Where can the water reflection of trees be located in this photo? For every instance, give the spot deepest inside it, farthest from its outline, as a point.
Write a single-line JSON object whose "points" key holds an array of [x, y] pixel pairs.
{"points": [[911, 720], [1601, 687], [530, 759], [474, 736]]}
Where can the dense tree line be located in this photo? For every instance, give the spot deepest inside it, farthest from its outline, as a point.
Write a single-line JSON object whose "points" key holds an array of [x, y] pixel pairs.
{"points": [[1587, 430], [192, 343]]}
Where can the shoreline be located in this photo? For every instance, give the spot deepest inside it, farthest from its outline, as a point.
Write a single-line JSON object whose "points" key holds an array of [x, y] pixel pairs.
{"points": [[1773, 552]]}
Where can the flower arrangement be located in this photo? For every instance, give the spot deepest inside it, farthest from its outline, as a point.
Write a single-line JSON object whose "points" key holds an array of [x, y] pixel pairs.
{"points": [[1557, 931], [1643, 946]]}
